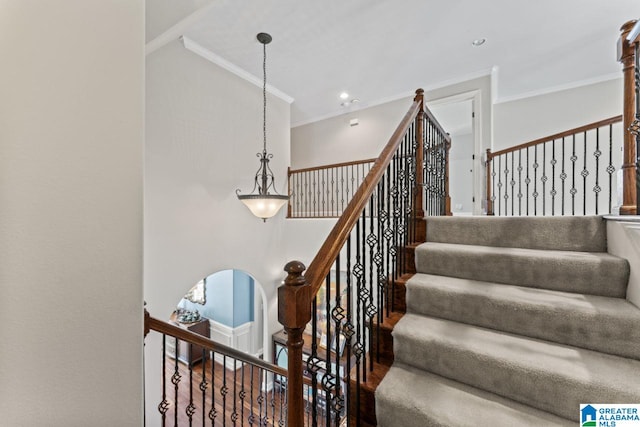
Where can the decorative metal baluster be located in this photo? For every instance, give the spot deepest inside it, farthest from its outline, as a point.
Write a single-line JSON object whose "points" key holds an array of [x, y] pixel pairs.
{"points": [[563, 176], [493, 185], [585, 174], [281, 397], [535, 180], [394, 215], [597, 154], [327, 382], [363, 292], [272, 401], [610, 169], [234, 414], [191, 408], [357, 272], [371, 306], [175, 380], [243, 393], [164, 403], [313, 184], [341, 190], [499, 184], [543, 178], [224, 390], [388, 235], [204, 385], [573, 190], [337, 403], [261, 398], [553, 177], [513, 184], [313, 362], [520, 182], [213, 413], [348, 330], [527, 181]]}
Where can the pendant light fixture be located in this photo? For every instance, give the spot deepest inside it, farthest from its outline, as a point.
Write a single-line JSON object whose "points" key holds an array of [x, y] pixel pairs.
{"points": [[262, 203]]}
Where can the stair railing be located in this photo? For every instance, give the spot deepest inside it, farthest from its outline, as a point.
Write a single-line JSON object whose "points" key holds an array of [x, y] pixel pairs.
{"points": [[325, 191], [223, 386], [569, 173], [347, 290], [629, 56]]}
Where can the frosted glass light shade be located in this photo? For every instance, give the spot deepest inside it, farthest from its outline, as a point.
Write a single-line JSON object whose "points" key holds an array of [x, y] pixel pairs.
{"points": [[264, 206]]}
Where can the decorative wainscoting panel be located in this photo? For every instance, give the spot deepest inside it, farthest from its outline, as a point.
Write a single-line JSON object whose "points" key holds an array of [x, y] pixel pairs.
{"points": [[238, 338]]}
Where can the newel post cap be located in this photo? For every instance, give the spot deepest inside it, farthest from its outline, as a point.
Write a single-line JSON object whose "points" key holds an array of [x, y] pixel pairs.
{"points": [[294, 299]]}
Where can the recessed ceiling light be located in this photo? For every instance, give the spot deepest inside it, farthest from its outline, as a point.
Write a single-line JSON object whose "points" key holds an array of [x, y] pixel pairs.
{"points": [[478, 42], [344, 95]]}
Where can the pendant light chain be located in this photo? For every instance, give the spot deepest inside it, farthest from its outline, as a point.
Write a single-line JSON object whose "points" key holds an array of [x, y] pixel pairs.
{"points": [[264, 97]]}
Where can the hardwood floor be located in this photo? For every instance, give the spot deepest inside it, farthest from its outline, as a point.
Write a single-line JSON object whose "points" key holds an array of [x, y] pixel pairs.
{"points": [[240, 396]]}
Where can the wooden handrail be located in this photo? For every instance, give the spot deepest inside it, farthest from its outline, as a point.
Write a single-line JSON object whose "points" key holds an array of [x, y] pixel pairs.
{"points": [[331, 165], [321, 264], [634, 34], [151, 323], [560, 135]]}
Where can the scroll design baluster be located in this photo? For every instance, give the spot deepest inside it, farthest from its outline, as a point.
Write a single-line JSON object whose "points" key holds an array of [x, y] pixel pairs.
{"points": [[547, 172], [372, 237]]}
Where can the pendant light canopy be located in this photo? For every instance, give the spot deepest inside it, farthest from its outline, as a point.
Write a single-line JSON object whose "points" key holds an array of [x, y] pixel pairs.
{"points": [[264, 201]]}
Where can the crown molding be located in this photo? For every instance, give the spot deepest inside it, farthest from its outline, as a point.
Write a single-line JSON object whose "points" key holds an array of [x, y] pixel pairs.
{"points": [[205, 53]]}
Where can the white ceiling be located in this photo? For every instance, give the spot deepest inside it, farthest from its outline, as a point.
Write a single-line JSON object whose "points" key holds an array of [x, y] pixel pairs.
{"points": [[381, 49]]}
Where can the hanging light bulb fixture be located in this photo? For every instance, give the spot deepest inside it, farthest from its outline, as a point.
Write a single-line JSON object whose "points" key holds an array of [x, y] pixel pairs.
{"points": [[263, 203]]}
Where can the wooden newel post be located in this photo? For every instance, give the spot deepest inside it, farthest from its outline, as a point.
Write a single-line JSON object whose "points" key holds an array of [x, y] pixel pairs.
{"points": [[294, 312], [626, 55], [488, 189]]}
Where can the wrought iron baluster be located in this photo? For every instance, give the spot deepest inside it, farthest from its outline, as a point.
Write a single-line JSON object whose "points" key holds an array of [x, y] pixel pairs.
{"points": [[371, 308], [553, 177], [527, 181], [190, 409], [513, 184], [204, 385], [610, 169], [234, 414], [544, 178], [224, 390], [493, 186], [520, 182], [573, 190], [563, 176], [327, 377], [243, 393], [585, 174], [348, 330], [164, 403], [312, 362], [499, 184], [357, 272], [213, 413], [597, 154], [175, 380], [364, 296], [535, 180]]}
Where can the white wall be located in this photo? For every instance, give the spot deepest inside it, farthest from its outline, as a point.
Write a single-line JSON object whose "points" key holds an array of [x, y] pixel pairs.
{"points": [[623, 240], [71, 132], [526, 119], [204, 128], [333, 140]]}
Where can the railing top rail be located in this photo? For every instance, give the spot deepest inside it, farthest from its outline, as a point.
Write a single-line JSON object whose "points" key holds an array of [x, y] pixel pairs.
{"points": [[193, 338], [331, 165], [634, 34], [560, 135], [321, 264]]}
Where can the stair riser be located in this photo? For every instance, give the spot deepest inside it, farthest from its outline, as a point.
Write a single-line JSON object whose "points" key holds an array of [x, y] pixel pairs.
{"points": [[584, 234], [533, 386], [617, 336], [605, 277]]}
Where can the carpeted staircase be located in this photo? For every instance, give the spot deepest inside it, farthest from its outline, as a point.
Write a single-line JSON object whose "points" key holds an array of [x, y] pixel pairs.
{"points": [[512, 322]]}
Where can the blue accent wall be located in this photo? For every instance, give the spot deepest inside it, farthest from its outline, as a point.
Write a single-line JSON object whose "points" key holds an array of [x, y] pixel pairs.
{"points": [[230, 298]]}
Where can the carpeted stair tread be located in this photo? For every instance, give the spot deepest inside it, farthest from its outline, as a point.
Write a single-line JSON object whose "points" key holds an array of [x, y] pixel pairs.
{"points": [[409, 397], [551, 377], [609, 325], [594, 273], [569, 233]]}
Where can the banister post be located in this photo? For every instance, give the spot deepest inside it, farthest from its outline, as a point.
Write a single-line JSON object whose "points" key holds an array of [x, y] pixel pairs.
{"points": [[626, 56], [447, 195], [294, 312], [488, 189]]}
